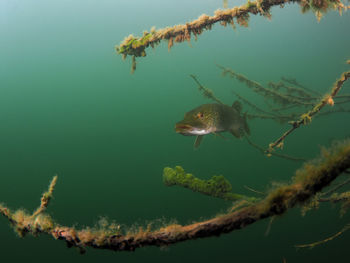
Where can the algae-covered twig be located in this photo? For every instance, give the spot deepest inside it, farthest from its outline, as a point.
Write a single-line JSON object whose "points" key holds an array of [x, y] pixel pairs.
{"points": [[207, 93], [308, 181], [217, 186], [136, 46], [307, 117], [45, 199], [36, 222]]}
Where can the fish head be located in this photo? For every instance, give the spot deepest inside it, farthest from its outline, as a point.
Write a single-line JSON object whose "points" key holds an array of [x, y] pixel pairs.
{"points": [[199, 121]]}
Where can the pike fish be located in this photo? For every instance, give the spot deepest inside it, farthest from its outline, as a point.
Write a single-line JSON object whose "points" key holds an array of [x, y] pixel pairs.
{"points": [[213, 118]]}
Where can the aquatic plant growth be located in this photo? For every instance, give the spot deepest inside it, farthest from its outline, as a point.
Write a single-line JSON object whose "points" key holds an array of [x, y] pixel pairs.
{"points": [[307, 182], [136, 46], [306, 118], [217, 186], [292, 97], [284, 101]]}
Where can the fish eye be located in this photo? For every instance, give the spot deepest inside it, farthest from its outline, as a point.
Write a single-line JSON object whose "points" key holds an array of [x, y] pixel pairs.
{"points": [[200, 115]]}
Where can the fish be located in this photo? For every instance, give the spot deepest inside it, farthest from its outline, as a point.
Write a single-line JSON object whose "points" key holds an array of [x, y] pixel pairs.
{"points": [[213, 118]]}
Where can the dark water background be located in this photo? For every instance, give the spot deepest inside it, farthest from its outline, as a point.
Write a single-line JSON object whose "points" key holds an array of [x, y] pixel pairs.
{"points": [[69, 106]]}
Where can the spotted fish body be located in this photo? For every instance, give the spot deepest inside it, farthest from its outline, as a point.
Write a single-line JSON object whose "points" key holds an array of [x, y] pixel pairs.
{"points": [[213, 118]]}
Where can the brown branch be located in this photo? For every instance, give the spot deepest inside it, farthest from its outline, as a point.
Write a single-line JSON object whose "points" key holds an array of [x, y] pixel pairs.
{"points": [[309, 180], [306, 117], [136, 46]]}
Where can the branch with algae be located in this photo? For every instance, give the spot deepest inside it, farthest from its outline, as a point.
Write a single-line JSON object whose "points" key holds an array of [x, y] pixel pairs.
{"points": [[217, 186], [308, 181], [307, 117], [136, 46]]}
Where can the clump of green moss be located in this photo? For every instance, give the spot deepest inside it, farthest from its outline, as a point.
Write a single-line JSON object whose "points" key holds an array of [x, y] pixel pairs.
{"points": [[217, 186]]}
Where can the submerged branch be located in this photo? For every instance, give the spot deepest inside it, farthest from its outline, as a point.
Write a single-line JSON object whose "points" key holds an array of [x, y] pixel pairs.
{"points": [[136, 46], [308, 181], [307, 117]]}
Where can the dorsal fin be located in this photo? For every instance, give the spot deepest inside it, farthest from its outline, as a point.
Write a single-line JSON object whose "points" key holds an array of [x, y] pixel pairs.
{"points": [[237, 106]]}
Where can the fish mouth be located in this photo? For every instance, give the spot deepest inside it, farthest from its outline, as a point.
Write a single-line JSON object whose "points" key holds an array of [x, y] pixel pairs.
{"points": [[184, 129]]}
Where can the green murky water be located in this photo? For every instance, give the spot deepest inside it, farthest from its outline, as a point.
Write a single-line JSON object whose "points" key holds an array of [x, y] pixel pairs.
{"points": [[69, 106]]}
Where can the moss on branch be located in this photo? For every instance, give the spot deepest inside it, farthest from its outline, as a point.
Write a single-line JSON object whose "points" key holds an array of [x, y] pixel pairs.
{"points": [[217, 186], [308, 181], [136, 46]]}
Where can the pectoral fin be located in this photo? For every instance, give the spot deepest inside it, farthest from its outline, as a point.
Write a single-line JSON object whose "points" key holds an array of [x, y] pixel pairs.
{"points": [[198, 141]]}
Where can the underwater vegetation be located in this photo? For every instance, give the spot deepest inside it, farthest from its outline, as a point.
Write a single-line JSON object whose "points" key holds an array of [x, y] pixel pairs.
{"points": [[136, 46], [288, 96], [307, 182], [217, 186]]}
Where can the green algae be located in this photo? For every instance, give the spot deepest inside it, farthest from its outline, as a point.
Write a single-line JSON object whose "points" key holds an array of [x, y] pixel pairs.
{"points": [[217, 186]]}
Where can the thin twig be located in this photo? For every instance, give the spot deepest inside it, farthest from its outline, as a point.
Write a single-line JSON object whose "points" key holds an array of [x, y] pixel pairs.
{"points": [[288, 157], [311, 245], [331, 191]]}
